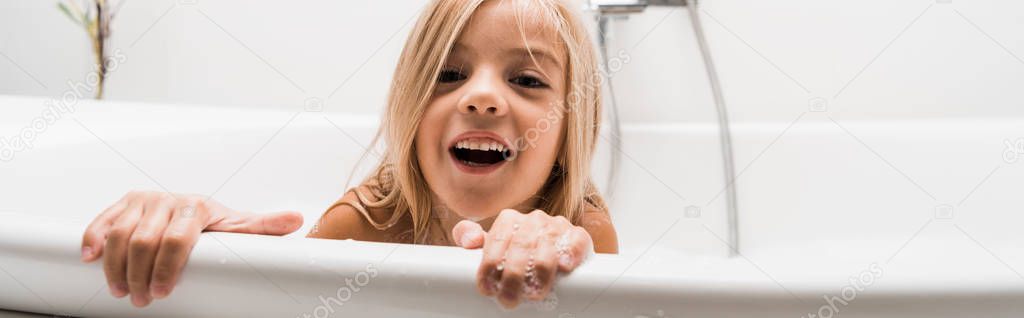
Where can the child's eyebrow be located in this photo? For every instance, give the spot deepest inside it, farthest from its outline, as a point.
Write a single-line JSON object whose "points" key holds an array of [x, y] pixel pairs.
{"points": [[539, 53]]}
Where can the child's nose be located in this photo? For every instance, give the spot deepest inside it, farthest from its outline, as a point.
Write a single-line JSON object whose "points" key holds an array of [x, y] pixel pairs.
{"points": [[483, 97]]}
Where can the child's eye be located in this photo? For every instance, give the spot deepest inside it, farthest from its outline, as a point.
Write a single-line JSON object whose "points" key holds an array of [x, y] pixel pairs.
{"points": [[527, 81], [450, 76]]}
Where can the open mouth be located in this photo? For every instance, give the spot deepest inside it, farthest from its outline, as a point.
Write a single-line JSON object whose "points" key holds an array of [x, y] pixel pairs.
{"points": [[480, 152]]}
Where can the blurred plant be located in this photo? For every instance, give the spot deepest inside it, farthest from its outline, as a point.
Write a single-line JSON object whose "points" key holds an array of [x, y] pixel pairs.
{"points": [[95, 19]]}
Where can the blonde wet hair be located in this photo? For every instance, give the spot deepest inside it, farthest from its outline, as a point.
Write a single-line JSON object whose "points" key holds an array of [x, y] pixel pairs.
{"points": [[397, 183]]}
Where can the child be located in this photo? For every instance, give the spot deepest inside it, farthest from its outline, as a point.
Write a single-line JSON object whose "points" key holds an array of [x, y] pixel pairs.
{"points": [[491, 122]]}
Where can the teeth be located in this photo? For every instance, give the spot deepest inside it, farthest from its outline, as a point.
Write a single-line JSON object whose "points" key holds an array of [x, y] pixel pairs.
{"points": [[480, 145]]}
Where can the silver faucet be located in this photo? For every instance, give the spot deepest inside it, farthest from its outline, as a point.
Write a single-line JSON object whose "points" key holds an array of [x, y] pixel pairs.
{"points": [[631, 6], [608, 9]]}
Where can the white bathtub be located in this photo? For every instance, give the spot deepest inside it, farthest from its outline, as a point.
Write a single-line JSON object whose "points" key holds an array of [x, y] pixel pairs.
{"points": [[820, 201]]}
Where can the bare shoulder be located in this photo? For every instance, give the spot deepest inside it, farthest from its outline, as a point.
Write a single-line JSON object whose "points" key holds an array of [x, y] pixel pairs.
{"points": [[599, 225], [343, 221]]}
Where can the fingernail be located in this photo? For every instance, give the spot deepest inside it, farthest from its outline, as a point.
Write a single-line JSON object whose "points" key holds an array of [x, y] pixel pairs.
{"points": [[159, 292], [138, 300], [565, 260], [119, 290], [464, 241], [86, 252]]}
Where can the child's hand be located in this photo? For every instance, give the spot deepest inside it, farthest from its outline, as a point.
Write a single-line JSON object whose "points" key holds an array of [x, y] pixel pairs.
{"points": [[522, 253], [147, 238]]}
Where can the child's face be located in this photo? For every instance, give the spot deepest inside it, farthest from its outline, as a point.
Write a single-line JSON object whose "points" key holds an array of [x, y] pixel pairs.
{"points": [[490, 94]]}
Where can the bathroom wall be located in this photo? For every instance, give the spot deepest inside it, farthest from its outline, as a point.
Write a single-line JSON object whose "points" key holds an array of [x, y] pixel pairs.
{"points": [[864, 59], [869, 59], [248, 54]]}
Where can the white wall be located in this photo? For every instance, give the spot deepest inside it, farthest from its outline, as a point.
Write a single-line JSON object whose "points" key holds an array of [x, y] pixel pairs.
{"points": [[253, 54], [895, 59], [890, 59], [916, 58]]}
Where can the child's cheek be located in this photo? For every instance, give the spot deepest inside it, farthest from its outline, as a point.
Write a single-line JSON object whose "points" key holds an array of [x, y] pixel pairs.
{"points": [[544, 135], [428, 136]]}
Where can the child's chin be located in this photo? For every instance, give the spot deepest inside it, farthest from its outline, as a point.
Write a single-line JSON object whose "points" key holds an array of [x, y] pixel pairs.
{"points": [[483, 188]]}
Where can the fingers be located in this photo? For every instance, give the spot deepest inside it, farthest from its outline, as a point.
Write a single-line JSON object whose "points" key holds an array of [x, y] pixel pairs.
{"points": [[115, 250], [520, 261], [180, 236], [468, 234], [142, 247], [279, 223], [495, 243], [146, 237], [523, 254], [573, 246], [95, 234], [545, 267]]}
